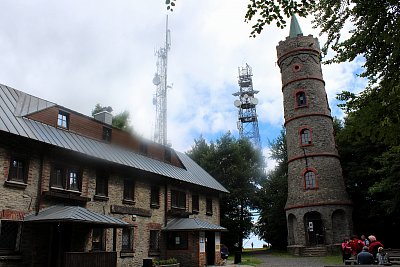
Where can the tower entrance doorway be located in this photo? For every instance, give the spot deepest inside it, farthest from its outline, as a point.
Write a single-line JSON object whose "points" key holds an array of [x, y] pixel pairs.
{"points": [[314, 229]]}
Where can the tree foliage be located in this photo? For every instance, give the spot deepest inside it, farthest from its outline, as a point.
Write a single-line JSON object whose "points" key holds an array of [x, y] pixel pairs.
{"points": [[239, 167], [120, 121], [272, 196]]}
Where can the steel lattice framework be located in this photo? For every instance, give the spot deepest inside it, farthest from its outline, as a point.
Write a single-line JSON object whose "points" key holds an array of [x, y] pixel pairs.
{"points": [[247, 115], [160, 97]]}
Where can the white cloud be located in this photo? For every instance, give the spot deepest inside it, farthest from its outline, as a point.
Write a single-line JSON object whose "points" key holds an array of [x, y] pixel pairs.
{"points": [[79, 53]]}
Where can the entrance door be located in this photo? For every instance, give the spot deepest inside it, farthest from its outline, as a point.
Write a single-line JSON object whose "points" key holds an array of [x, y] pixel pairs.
{"points": [[314, 229], [60, 243], [210, 248]]}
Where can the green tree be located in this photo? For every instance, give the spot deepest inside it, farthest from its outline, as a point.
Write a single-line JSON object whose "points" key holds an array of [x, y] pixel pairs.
{"points": [[119, 121], [272, 196], [238, 166]]}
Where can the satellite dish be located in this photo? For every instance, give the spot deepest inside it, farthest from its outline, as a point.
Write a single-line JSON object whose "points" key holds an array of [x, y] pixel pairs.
{"points": [[254, 101], [237, 103], [156, 79], [246, 96]]}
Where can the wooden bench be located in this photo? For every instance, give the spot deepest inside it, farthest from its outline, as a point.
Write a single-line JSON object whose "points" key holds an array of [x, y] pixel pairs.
{"points": [[350, 262], [394, 255]]}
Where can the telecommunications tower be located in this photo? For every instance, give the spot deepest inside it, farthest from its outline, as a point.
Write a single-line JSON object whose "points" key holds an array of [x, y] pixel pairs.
{"points": [[160, 97], [247, 116]]}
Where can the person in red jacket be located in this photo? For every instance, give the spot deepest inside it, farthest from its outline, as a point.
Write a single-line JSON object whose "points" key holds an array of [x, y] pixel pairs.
{"points": [[374, 245], [356, 245]]}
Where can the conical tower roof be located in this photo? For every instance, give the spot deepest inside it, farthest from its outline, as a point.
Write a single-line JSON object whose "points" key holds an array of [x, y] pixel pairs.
{"points": [[294, 27]]}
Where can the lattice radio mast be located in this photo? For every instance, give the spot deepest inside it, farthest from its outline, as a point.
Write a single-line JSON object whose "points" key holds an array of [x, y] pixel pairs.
{"points": [[160, 97], [247, 123]]}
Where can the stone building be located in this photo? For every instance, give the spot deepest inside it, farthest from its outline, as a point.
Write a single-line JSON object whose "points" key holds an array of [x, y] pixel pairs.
{"points": [[74, 191], [318, 208]]}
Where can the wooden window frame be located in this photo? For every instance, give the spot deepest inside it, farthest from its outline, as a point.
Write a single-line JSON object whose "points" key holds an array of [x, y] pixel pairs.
{"points": [[155, 196], [209, 206], [107, 134], [63, 119], [178, 198], [302, 135], [20, 178], [300, 93], [130, 246], [307, 185], [129, 191], [157, 235], [102, 178], [195, 204], [66, 176], [101, 242], [174, 237]]}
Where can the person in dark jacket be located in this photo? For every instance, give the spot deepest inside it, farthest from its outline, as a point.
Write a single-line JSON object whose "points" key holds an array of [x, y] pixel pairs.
{"points": [[364, 257]]}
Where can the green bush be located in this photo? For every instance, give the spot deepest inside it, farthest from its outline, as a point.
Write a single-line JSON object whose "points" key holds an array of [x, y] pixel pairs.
{"points": [[165, 262]]}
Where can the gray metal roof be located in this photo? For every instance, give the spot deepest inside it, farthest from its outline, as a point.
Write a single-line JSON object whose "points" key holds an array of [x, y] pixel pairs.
{"points": [[294, 27], [74, 214], [12, 105], [191, 224]]}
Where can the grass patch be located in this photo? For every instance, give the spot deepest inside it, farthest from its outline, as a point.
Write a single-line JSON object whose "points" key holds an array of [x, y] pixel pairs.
{"points": [[248, 259], [333, 260]]}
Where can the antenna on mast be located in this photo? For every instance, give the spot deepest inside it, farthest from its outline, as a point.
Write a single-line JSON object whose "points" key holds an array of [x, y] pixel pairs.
{"points": [[160, 97]]}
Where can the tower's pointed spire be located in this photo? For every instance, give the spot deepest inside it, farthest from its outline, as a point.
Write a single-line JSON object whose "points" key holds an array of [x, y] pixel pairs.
{"points": [[294, 27]]}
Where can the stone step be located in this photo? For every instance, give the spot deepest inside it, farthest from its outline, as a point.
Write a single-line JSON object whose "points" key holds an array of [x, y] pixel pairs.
{"points": [[314, 252]]}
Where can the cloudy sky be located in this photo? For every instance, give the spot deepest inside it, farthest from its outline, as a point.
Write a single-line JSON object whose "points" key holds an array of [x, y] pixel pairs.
{"points": [[79, 53]]}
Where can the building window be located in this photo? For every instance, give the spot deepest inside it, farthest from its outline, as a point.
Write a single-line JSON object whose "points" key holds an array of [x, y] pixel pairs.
{"points": [[195, 203], [177, 240], [101, 184], [9, 236], [310, 180], [154, 245], [296, 67], [178, 199], [143, 148], [127, 239], [305, 135], [301, 99], [66, 178], [18, 170], [98, 239], [209, 207], [129, 190], [155, 197], [63, 119], [107, 134], [167, 155]]}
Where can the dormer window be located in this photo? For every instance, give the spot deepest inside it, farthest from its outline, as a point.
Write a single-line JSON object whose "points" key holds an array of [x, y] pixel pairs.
{"points": [[167, 155], [143, 148], [301, 100], [63, 119], [107, 134]]}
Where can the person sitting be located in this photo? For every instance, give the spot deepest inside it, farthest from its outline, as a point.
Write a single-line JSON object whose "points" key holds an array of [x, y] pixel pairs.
{"points": [[364, 257], [382, 257], [374, 245], [346, 249], [224, 252]]}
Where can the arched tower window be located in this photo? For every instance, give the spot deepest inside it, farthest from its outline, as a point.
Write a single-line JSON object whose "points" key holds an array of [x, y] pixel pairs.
{"points": [[310, 179], [305, 137], [301, 100]]}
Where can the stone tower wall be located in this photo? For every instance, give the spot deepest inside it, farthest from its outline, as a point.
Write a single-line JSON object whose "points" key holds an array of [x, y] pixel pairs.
{"points": [[327, 204]]}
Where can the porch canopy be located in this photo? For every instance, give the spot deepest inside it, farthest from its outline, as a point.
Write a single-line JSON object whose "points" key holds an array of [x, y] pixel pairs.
{"points": [[74, 214], [192, 224]]}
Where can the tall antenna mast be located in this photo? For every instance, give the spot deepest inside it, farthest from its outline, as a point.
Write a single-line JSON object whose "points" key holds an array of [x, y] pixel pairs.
{"points": [[160, 97], [247, 115]]}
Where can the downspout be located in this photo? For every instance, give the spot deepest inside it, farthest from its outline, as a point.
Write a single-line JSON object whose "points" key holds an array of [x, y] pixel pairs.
{"points": [[39, 191], [165, 204]]}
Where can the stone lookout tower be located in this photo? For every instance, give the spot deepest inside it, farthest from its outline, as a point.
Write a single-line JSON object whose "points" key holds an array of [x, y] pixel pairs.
{"points": [[318, 209]]}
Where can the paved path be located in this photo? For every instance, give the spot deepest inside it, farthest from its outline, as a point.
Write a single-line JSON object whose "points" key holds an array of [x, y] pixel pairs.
{"points": [[283, 261]]}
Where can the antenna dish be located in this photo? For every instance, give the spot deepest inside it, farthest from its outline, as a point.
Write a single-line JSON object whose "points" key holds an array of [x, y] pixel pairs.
{"points": [[156, 79], [246, 96], [237, 103], [254, 101]]}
